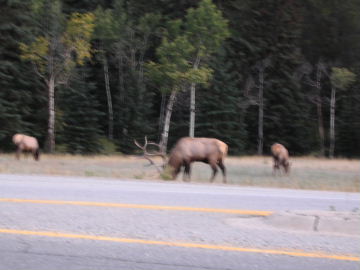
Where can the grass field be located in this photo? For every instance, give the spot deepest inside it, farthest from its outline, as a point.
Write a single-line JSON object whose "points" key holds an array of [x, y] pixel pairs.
{"points": [[306, 172]]}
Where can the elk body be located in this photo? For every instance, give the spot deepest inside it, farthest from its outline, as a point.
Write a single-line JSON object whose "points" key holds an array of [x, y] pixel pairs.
{"points": [[280, 157], [188, 150], [26, 143], [207, 150]]}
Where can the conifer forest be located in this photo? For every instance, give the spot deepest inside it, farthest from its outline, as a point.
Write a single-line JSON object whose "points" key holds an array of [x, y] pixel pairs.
{"points": [[90, 76]]}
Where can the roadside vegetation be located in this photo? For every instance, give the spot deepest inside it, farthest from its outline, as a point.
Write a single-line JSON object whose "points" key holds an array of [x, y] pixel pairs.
{"points": [[306, 172]]}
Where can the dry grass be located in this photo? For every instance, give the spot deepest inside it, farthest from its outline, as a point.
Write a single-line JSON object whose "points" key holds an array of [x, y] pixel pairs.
{"points": [[306, 172]]}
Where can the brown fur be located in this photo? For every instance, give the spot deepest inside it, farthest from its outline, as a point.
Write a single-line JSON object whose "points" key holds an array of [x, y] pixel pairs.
{"points": [[281, 158], [26, 143], [207, 150]]}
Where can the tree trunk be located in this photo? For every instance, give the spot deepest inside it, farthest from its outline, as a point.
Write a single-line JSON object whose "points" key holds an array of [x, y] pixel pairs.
{"points": [[141, 87], [121, 80], [162, 113], [261, 112], [132, 54], [51, 119], [109, 99], [321, 128], [332, 122], [165, 133], [192, 101], [319, 112], [192, 111]]}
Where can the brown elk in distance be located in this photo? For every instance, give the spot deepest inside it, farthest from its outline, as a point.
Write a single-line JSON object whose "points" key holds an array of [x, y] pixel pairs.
{"points": [[188, 150], [26, 143], [280, 157]]}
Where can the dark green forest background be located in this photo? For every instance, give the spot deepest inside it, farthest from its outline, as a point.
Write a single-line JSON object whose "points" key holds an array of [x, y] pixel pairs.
{"points": [[295, 43]]}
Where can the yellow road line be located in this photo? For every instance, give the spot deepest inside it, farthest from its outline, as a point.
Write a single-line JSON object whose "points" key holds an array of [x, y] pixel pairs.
{"points": [[182, 244], [142, 206]]}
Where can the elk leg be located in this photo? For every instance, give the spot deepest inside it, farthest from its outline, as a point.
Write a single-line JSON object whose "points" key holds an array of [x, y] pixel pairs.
{"points": [[175, 172], [18, 152], [187, 170], [285, 167], [223, 169], [276, 166], [276, 169], [281, 167], [36, 154], [214, 168]]}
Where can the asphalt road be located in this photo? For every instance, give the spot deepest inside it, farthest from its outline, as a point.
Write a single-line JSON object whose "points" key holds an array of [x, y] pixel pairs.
{"points": [[87, 223]]}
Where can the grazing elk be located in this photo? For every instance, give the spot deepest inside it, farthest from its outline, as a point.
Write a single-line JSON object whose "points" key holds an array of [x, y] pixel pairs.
{"points": [[281, 158], [188, 150], [26, 143]]}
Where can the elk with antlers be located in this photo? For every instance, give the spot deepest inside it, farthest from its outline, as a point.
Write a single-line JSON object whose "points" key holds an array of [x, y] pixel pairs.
{"points": [[187, 150]]}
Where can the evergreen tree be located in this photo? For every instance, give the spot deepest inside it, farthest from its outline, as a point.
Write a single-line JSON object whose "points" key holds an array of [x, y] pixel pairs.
{"points": [[220, 114], [80, 115], [348, 123], [331, 34], [341, 79], [18, 88], [287, 109], [272, 30], [83, 6], [133, 102]]}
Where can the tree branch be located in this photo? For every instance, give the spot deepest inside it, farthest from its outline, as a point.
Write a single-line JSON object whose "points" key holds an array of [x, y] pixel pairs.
{"points": [[39, 73]]}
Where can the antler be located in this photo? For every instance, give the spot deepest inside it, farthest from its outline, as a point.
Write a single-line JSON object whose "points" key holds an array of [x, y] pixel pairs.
{"points": [[147, 155]]}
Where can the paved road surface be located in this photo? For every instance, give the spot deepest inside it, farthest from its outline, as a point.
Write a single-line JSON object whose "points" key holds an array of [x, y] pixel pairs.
{"points": [[85, 223]]}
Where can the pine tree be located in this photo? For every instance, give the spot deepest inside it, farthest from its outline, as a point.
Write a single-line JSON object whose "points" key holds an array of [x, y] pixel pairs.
{"points": [[348, 123], [331, 35], [272, 31], [220, 114], [80, 130], [18, 88], [287, 110]]}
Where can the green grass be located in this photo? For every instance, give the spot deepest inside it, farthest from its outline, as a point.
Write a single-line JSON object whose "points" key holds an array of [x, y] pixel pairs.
{"points": [[306, 172]]}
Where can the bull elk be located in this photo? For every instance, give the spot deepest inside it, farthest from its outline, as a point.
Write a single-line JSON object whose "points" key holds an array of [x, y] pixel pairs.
{"points": [[188, 150], [26, 143], [280, 157]]}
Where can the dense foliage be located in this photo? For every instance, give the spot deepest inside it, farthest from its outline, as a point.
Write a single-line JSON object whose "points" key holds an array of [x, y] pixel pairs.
{"points": [[120, 60]]}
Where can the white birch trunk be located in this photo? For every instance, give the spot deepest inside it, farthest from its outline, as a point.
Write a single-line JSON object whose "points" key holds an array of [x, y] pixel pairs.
{"points": [[192, 111], [192, 101], [162, 112], [165, 133], [261, 112], [51, 119], [109, 100]]}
